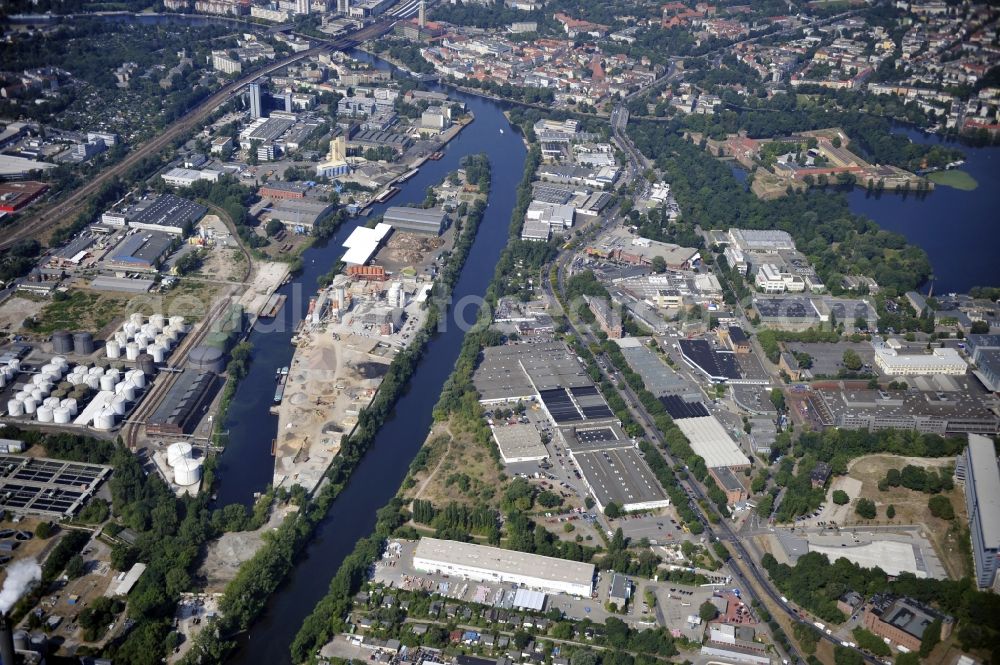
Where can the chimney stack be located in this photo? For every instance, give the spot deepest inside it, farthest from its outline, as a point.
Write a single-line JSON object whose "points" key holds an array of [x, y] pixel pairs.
{"points": [[6, 641], [422, 15]]}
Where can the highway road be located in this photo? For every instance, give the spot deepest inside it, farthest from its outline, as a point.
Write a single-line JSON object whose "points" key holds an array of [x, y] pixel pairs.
{"points": [[66, 210]]}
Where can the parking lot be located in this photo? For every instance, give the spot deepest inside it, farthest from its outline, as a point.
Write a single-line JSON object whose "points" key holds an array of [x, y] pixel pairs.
{"points": [[659, 528]]}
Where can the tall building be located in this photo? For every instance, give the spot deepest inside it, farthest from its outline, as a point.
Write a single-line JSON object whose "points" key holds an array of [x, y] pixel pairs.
{"points": [[303, 6], [982, 499], [336, 160], [255, 101], [344, 7]]}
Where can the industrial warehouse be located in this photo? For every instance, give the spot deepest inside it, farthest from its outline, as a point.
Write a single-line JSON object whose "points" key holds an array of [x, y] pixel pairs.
{"points": [[492, 564], [417, 220]]}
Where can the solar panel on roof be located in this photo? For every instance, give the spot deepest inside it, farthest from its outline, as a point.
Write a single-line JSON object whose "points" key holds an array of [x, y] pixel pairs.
{"points": [[678, 409]]}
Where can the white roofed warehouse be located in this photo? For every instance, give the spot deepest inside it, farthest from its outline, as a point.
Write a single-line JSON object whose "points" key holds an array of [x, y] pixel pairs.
{"points": [[492, 564]]}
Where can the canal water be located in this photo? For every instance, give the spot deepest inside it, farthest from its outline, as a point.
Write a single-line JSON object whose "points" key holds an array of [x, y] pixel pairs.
{"points": [[959, 230], [246, 464]]}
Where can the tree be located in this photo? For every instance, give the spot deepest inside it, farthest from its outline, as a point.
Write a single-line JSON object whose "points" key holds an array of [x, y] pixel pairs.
{"points": [[613, 510], [931, 637], [840, 497], [273, 227], [76, 567], [778, 399], [43, 530], [707, 611], [659, 264], [940, 506], [852, 360], [980, 327], [890, 512], [866, 508]]}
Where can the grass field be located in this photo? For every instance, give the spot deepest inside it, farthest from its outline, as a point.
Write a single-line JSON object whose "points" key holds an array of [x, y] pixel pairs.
{"points": [[954, 178]]}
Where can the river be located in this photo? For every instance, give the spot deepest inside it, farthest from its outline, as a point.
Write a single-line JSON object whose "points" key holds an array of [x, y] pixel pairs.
{"points": [[246, 465], [957, 229]]}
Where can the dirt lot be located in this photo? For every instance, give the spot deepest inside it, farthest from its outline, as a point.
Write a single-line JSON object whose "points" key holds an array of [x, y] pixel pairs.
{"points": [[460, 469], [229, 552], [911, 506], [16, 309]]}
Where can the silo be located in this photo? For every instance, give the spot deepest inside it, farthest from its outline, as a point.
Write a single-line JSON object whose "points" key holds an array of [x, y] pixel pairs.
{"points": [[62, 342], [187, 472], [15, 407], [44, 414], [29, 405], [83, 343], [131, 351], [206, 359], [119, 405], [146, 364], [70, 405], [157, 352], [113, 349]]}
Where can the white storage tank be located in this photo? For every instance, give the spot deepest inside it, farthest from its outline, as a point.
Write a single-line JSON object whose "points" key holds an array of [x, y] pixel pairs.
{"points": [[60, 361], [93, 381], [8, 372], [70, 404], [44, 414], [23, 395], [95, 371], [29, 405], [15, 407], [127, 390], [158, 321], [51, 402], [178, 323], [14, 364], [39, 379], [131, 351], [129, 330], [119, 405], [121, 337], [113, 349], [137, 377], [104, 420], [157, 352], [187, 472], [108, 382], [137, 319], [61, 415], [37, 395], [3, 380], [114, 373], [178, 451], [171, 333], [142, 340]]}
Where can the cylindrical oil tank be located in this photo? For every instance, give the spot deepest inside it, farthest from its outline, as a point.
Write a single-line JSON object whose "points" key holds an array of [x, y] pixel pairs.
{"points": [[60, 361], [157, 352], [22, 394], [96, 370], [178, 322], [171, 333], [149, 330], [178, 451], [30, 405], [38, 380], [119, 405], [138, 378], [113, 349], [141, 340], [147, 365], [51, 402], [83, 343], [104, 420], [131, 350], [187, 472], [206, 359], [3, 380], [44, 414], [137, 319], [158, 320], [127, 390], [93, 382], [121, 337], [62, 342], [114, 373], [15, 407], [7, 371], [14, 364], [69, 404], [164, 341], [49, 368], [37, 395], [61, 415], [108, 382]]}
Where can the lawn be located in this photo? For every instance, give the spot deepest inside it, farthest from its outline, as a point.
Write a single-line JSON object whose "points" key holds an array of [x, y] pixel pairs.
{"points": [[954, 178]]}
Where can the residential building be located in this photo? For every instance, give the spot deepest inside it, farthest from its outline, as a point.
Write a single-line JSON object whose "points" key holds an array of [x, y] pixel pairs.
{"points": [[256, 110], [982, 499], [607, 316]]}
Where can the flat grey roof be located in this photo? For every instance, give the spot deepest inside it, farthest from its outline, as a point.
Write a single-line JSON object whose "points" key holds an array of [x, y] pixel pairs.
{"points": [[620, 475], [169, 210], [430, 216], [508, 562], [986, 482], [658, 377], [519, 441]]}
